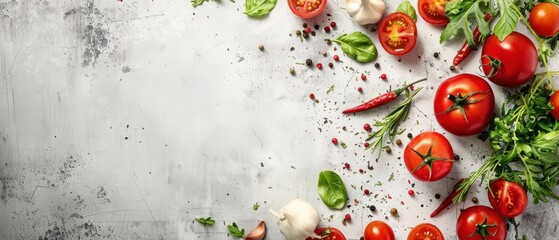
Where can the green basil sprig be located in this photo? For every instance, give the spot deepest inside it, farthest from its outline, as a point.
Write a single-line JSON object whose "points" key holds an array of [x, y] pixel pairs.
{"points": [[358, 46], [332, 190], [259, 8], [407, 8]]}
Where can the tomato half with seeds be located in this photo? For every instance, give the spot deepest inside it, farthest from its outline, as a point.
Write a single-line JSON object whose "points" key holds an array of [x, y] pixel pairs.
{"points": [[554, 100], [464, 104], [429, 156], [328, 233], [432, 11], [508, 198], [378, 230], [425, 231], [481, 223], [307, 8], [397, 33]]}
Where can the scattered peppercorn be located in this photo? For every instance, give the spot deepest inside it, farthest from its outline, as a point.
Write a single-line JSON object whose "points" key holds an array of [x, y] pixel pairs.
{"points": [[366, 144], [372, 208], [367, 127], [298, 32], [452, 68], [388, 149], [311, 96], [316, 27], [305, 25], [366, 191], [327, 29], [437, 196], [333, 24], [261, 47], [305, 35], [308, 62], [360, 89], [324, 53], [377, 65], [394, 212], [328, 41], [336, 58], [313, 33], [383, 76], [363, 77], [307, 29], [398, 142], [319, 65], [331, 65], [474, 200], [436, 55], [361, 238], [410, 136], [456, 157], [347, 217], [411, 192], [335, 141], [360, 170], [292, 71], [347, 166]]}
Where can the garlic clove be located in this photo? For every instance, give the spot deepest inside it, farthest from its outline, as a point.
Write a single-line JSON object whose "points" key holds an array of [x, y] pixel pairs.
{"points": [[257, 233]]}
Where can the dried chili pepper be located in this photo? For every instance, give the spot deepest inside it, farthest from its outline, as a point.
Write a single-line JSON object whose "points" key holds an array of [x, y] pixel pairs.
{"points": [[381, 100], [466, 49], [448, 200]]}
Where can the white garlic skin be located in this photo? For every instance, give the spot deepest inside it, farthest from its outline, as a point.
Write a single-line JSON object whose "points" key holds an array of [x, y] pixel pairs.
{"points": [[297, 220], [365, 12]]}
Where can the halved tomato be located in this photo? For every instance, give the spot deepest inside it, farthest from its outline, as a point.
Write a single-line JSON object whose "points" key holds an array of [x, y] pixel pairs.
{"points": [[425, 231], [397, 33], [307, 8], [328, 233], [432, 11]]}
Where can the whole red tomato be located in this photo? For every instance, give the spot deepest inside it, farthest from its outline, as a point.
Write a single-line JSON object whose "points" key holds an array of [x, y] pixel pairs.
{"points": [[328, 233], [378, 230], [511, 62], [508, 198], [307, 8], [554, 100], [397, 33], [429, 156], [432, 11], [425, 231], [544, 19], [481, 223], [464, 104]]}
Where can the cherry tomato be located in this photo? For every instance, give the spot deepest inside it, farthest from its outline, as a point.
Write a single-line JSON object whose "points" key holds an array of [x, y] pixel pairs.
{"points": [[397, 33], [378, 230], [328, 233], [554, 100], [429, 156], [307, 8], [425, 231], [432, 11], [509, 63], [544, 19], [464, 104], [508, 198], [481, 223]]}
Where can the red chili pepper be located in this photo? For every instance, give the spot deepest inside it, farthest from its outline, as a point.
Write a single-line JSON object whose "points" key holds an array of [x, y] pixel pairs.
{"points": [[466, 49], [448, 200], [380, 100]]}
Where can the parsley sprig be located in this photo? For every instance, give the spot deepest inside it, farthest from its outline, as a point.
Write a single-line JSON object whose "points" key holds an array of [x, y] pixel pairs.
{"points": [[235, 231], [205, 221]]}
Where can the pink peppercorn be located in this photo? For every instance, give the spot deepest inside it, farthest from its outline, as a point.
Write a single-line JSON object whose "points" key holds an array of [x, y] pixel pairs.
{"points": [[333, 24], [360, 89], [307, 29], [336, 58], [366, 144], [411, 192], [335, 141], [367, 127], [327, 29], [363, 77], [366, 191], [312, 97], [383, 76], [347, 217], [319, 65], [360, 170]]}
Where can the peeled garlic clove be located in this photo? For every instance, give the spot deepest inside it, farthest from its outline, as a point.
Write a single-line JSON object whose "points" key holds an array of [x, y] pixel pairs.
{"points": [[257, 233]]}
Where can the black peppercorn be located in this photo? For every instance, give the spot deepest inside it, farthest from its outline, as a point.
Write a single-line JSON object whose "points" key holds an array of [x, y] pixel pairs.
{"points": [[308, 62]]}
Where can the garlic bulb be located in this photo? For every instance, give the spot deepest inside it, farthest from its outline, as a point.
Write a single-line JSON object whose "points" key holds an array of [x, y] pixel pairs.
{"points": [[297, 220], [365, 11]]}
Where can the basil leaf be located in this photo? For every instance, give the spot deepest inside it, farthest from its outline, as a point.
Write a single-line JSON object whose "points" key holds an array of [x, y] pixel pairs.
{"points": [[259, 8], [407, 8], [206, 221], [332, 190], [235, 231], [196, 3], [358, 46], [461, 14], [507, 22]]}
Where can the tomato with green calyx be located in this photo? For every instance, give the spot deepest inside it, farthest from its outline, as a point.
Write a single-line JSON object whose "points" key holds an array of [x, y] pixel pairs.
{"points": [[554, 100], [464, 104], [544, 19], [378, 230], [508, 198], [397, 33], [307, 8], [429, 156], [481, 223], [432, 11], [328, 233], [425, 231], [511, 62]]}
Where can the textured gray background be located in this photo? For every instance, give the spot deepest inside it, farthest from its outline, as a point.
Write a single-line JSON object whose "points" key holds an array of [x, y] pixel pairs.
{"points": [[128, 119]]}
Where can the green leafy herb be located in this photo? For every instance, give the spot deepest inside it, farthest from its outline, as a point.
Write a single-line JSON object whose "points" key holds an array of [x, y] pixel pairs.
{"points": [[524, 141], [358, 46], [235, 231], [259, 8], [389, 124], [330, 89], [391, 177], [255, 206], [407, 8], [196, 3], [205, 221], [344, 146], [461, 14], [332, 190], [509, 19]]}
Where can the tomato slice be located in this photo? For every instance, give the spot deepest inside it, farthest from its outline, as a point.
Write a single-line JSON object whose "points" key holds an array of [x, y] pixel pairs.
{"points": [[397, 33], [307, 8], [508, 198], [328, 233], [425, 231], [432, 11]]}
